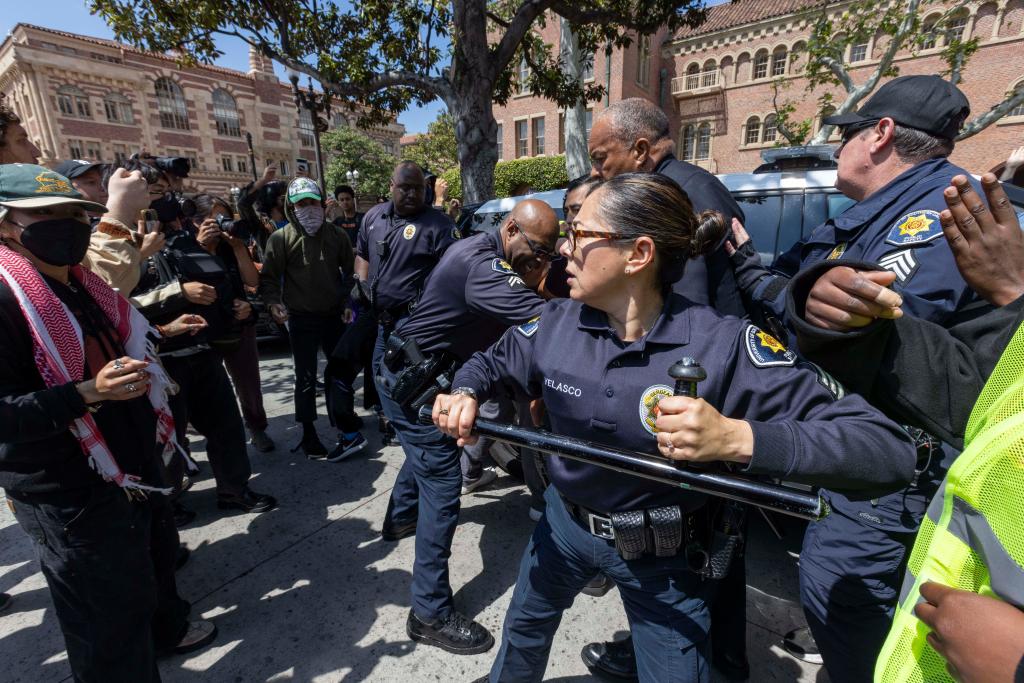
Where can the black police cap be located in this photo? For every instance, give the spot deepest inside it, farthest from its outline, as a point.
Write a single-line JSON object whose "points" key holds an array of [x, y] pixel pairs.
{"points": [[926, 103]]}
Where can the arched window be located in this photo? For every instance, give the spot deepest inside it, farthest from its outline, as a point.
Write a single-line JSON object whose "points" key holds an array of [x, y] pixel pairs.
{"points": [[306, 138], [225, 113], [859, 52], [709, 74], [693, 77], [1019, 109], [118, 108], [771, 128], [689, 143], [524, 75], [72, 101], [752, 131], [797, 57], [956, 26], [779, 62], [743, 68], [171, 103], [985, 21], [929, 37], [703, 142], [725, 70], [761, 64]]}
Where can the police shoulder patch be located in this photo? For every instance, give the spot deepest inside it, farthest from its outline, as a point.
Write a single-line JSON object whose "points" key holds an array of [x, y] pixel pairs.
{"points": [[500, 265], [649, 405], [765, 351], [916, 227], [529, 328]]}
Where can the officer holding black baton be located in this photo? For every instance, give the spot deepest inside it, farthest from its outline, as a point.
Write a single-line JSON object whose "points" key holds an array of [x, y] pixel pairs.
{"points": [[601, 363], [482, 286]]}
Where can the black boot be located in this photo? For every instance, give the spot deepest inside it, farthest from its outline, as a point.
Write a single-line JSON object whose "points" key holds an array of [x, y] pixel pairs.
{"points": [[614, 658], [455, 633]]}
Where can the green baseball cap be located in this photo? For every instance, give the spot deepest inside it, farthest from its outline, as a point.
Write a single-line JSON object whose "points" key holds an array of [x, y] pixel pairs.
{"points": [[27, 186], [303, 188]]}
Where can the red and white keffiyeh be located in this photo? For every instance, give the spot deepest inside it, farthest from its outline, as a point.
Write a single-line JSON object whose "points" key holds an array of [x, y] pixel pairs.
{"points": [[60, 355]]}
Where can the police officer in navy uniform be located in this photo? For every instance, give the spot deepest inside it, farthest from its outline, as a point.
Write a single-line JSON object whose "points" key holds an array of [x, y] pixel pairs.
{"points": [[482, 286], [633, 136], [600, 361], [892, 161]]}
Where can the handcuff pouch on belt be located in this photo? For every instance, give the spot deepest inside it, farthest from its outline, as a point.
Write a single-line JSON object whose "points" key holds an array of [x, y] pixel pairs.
{"points": [[419, 377], [712, 559]]}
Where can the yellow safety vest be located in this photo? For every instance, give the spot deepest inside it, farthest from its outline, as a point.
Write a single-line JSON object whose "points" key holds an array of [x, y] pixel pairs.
{"points": [[973, 536]]}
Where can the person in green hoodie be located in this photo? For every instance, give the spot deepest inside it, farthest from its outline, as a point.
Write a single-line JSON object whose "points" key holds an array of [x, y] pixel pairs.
{"points": [[305, 280]]}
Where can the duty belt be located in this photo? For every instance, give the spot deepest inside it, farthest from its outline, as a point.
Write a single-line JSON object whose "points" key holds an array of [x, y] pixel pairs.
{"points": [[659, 532]]}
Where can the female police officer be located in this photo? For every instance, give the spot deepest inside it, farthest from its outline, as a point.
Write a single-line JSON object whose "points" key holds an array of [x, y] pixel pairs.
{"points": [[600, 363]]}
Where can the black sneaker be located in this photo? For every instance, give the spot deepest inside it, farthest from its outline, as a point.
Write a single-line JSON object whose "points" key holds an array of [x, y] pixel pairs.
{"points": [[456, 633], [247, 501], [614, 659], [261, 442], [313, 447], [346, 447], [800, 643], [598, 586]]}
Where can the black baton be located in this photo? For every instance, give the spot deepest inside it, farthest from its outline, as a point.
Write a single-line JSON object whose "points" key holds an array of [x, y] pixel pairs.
{"points": [[734, 487]]}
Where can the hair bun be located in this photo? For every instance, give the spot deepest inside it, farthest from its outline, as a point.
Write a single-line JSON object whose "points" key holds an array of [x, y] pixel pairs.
{"points": [[709, 233]]}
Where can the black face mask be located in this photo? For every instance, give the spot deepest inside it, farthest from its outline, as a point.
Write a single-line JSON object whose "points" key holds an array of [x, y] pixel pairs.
{"points": [[59, 242]]}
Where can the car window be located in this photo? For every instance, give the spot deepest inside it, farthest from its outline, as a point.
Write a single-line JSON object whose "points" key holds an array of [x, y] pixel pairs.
{"points": [[794, 217], [763, 212], [838, 203]]}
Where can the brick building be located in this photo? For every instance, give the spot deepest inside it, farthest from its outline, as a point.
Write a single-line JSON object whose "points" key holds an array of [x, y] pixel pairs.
{"points": [[715, 81], [82, 97]]}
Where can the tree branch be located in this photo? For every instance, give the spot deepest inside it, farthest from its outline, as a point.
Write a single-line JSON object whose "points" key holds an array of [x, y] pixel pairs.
{"points": [[839, 71], [497, 20], [516, 31], [997, 112]]}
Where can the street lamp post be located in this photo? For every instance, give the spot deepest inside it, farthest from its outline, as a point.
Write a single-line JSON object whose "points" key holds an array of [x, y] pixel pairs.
{"points": [[352, 175], [315, 103]]}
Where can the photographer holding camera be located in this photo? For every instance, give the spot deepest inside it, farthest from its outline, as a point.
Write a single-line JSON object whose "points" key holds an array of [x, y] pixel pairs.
{"points": [[186, 276], [220, 234]]}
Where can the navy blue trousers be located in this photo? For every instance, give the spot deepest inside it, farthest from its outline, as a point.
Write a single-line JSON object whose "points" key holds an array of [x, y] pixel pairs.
{"points": [[428, 487], [666, 603]]}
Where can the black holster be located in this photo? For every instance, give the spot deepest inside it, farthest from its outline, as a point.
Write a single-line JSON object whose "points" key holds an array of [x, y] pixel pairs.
{"points": [[418, 377], [713, 558]]}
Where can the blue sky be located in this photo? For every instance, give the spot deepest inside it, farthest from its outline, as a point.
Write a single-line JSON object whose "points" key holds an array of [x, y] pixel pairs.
{"points": [[73, 16]]}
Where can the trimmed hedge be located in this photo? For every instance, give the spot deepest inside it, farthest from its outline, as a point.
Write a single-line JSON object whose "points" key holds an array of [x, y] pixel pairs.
{"points": [[539, 173]]}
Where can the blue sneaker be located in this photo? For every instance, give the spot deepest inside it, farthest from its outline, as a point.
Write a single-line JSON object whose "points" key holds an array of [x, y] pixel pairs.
{"points": [[346, 447]]}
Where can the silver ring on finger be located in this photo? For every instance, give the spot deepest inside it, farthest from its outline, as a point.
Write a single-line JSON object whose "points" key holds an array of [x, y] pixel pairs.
{"points": [[443, 411], [129, 388], [118, 364]]}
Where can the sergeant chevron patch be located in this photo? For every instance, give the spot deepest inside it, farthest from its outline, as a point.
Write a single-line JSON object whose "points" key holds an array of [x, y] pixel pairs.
{"points": [[902, 262]]}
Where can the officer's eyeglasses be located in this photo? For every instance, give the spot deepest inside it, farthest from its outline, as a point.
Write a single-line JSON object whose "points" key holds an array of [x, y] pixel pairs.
{"points": [[572, 233], [854, 129], [539, 251]]}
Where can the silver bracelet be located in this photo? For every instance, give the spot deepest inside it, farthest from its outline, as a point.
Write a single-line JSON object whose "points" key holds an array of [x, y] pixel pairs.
{"points": [[464, 391]]}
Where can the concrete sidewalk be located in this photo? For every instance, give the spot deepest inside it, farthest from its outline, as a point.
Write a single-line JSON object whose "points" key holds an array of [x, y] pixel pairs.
{"points": [[309, 592]]}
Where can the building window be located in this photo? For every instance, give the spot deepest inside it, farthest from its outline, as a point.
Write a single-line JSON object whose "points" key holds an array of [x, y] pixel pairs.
{"points": [[171, 103], [689, 150], [193, 160], [499, 141], [779, 62], [1017, 111], [771, 128], [587, 67], [929, 36], [643, 64], [73, 101], [76, 148], [93, 151], [118, 109], [692, 77], [225, 113], [524, 76], [761, 64], [704, 142], [242, 164], [955, 28], [282, 166], [120, 154], [306, 138], [538, 136], [226, 164], [858, 52], [709, 75], [522, 139], [752, 131]]}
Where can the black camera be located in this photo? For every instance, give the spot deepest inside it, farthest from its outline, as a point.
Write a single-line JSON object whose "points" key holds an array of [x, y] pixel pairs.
{"points": [[230, 226], [187, 206], [178, 166]]}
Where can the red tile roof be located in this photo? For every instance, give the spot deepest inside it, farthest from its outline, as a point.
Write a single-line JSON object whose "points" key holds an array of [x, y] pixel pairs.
{"points": [[741, 12]]}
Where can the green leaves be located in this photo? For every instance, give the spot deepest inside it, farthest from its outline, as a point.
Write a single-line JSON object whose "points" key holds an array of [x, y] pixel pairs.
{"points": [[437, 149], [347, 149]]}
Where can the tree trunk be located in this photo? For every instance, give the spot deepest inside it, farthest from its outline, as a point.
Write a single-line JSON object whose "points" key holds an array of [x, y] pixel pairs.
{"points": [[475, 131], [577, 158]]}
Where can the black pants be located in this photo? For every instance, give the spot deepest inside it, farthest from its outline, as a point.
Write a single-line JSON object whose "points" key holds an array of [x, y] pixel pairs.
{"points": [[351, 355], [309, 335], [93, 545], [170, 620], [207, 401]]}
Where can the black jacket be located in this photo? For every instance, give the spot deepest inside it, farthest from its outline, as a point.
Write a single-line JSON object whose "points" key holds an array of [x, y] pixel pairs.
{"points": [[916, 372], [38, 453]]}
